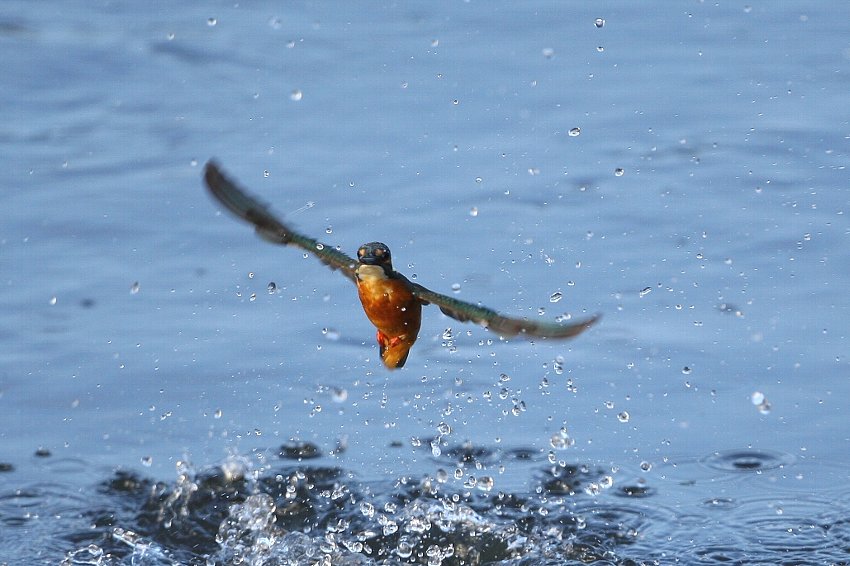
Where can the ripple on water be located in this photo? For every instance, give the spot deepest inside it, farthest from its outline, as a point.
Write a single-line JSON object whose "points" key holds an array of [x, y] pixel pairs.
{"points": [[747, 460], [776, 530]]}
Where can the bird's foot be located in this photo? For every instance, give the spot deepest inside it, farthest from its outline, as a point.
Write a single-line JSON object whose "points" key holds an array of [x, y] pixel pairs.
{"points": [[385, 341]]}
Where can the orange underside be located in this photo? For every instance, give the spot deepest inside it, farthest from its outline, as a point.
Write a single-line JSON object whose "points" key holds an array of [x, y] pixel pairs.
{"points": [[397, 315]]}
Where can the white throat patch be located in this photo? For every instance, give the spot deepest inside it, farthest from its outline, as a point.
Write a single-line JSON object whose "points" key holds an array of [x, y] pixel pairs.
{"points": [[371, 272]]}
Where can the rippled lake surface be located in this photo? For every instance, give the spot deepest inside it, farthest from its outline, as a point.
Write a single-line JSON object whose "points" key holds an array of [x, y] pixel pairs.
{"points": [[175, 391]]}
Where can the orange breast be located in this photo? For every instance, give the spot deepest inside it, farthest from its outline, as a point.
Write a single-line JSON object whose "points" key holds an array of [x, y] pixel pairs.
{"points": [[391, 307]]}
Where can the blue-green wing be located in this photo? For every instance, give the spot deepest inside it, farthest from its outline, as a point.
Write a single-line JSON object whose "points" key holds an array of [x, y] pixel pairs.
{"points": [[498, 323], [269, 227]]}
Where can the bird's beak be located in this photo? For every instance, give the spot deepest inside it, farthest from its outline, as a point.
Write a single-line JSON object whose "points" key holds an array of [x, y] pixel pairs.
{"points": [[370, 260]]}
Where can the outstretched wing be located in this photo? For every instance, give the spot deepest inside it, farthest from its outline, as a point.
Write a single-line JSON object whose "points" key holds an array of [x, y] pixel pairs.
{"points": [[268, 227], [498, 323]]}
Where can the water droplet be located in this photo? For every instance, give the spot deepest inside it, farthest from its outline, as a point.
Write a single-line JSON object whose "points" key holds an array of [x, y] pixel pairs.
{"points": [[134, 288], [272, 288], [686, 370], [444, 428], [558, 365], [455, 102], [331, 334], [253, 297], [473, 211], [250, 275], [339, 395], [456, 287], [367, 509], [574, 132], [623, 417], [556, 296], [599, 22], [548, 52], [645, 291], [211, 21], [147, 461], [561, 440], [645, 466], [619, 172], [53, 300], [761, 403], [217, 414], [296, 95]]}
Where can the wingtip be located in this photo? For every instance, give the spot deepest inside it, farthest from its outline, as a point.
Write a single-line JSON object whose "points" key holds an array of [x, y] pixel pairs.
{"points": [[590, 321], [211, 171]]}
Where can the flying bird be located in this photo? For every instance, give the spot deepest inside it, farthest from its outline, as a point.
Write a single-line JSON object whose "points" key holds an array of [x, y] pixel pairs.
{"points": [[390, 300]]}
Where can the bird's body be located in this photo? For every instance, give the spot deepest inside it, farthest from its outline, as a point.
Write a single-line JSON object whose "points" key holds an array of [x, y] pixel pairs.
{"points": [[395, 311], [391, 302]]}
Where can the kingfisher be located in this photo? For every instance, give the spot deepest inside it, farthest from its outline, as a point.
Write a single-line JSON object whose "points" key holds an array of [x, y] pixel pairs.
{"points": [[392, 303]]}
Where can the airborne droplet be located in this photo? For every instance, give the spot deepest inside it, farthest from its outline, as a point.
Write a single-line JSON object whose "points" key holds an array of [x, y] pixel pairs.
{"points": [[561, 440]]}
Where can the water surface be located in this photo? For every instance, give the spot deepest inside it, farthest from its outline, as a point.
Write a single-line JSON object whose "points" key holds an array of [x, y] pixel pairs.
{"points": [[149, 379]]}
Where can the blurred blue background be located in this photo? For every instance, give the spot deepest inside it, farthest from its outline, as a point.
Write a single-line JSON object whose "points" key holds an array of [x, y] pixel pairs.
{"points": [[700, 203]]}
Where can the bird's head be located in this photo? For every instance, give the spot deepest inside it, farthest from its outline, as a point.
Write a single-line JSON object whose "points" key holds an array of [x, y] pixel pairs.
{"points": [[375, 253]]}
